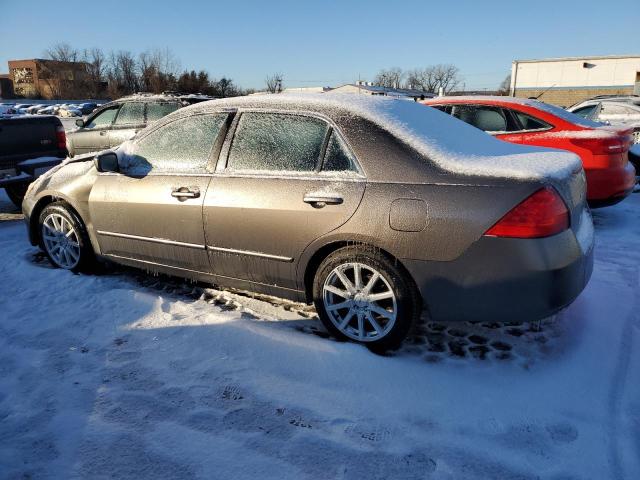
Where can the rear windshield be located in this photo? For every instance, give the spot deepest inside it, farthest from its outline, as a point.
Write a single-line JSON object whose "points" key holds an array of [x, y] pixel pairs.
{"points": [[564, 114]]}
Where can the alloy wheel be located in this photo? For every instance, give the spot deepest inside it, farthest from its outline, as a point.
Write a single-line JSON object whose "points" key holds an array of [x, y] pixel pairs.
{"points": [[359, 302], [61, 241]]}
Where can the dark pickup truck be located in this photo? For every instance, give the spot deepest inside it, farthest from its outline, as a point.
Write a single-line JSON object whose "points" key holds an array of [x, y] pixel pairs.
{"points": [[29, 146]]}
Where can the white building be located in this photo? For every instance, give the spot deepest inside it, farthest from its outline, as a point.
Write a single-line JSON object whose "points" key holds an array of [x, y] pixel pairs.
{"points": [[565, 81]]}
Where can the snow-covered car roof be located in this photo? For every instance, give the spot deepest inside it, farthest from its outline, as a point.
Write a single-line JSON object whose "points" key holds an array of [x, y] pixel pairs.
{"points": [[450, 143]]}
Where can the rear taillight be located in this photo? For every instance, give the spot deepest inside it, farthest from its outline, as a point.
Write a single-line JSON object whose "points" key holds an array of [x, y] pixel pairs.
{"points": [[540, 215], [61, 138], [604, 145]]}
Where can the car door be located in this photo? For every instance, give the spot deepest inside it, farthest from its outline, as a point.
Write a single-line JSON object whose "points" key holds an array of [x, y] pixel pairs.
{"points": [[283, 181], [128, 122], [151, 211], [94, 135]]}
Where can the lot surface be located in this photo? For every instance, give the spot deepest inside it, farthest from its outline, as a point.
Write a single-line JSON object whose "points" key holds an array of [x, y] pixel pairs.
{"points": [[125, 375]]}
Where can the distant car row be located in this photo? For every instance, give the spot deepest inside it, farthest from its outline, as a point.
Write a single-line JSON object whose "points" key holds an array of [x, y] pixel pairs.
{"points": [[62, 109]]}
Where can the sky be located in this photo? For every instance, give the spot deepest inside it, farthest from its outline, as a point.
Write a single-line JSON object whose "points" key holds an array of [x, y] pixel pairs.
{"points": [[326, 43]]}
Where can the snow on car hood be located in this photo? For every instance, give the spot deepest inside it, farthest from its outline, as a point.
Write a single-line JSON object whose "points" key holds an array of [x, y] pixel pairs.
{"points": [[452, 144]]}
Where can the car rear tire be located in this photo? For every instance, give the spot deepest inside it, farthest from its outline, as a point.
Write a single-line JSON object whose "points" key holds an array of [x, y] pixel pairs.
{"points": [[64, 238], [364, 296], [16, 193]]}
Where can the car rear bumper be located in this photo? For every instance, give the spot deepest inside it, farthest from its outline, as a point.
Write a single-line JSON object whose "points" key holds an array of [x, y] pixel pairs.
{"points": [[27, 170], [610, 185], [507, 280]]}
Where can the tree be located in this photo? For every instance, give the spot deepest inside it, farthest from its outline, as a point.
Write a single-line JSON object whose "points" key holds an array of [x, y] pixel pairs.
{"points": [[225, 88], [505, 86], [62, 52], [434, 77], [94, 59], [391, 78], [123, 78], [274, 83]]}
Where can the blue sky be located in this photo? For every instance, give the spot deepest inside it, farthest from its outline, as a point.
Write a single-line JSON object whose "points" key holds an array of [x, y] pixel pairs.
{"points": [[326, 42]]}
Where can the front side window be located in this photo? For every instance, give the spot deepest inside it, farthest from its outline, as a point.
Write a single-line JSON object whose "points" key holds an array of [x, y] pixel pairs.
{"points": [[180, 146], [338, 158], [277, 142], [130, 113], [103, 119], [484, 117], [156, 111]]}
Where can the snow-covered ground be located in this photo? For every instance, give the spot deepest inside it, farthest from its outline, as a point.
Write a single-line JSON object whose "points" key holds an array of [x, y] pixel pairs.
{"points": [[121, 375]]}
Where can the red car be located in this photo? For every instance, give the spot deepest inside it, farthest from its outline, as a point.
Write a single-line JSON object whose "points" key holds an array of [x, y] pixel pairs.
{"points": [[603, 149]]}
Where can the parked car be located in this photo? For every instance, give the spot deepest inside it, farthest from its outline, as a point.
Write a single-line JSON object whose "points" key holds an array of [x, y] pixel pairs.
{"points": [[87, 108], [603, 149], [29, 146], [372, 208], [115, 122], [49, 110], [612, 112], [20, 107], [33, 109], [69, 112]]}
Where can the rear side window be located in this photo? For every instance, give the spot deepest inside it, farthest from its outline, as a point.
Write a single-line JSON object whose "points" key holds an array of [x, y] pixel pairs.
{"points": [[131, 113], [104, 118], [527, 122], [156, 111], [181, 146], [277, 142], [338, 158]]}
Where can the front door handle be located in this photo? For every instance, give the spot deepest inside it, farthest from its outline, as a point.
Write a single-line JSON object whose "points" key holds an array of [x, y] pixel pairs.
{"points": [[319, 201], [183, 193], [103, 133]]}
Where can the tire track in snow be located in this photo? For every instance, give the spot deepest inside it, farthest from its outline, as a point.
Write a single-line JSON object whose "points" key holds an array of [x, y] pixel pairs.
{"points": [[618, 384]]}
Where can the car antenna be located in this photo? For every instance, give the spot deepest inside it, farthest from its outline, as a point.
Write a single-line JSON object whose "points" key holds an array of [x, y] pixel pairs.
{"points": [[545, 91]]}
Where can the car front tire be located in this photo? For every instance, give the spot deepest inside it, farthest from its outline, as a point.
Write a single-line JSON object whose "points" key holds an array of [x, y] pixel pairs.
{"points": [[64, 238], [364, 296]]}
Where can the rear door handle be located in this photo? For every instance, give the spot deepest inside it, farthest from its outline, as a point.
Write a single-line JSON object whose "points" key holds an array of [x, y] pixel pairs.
{"points": [[183, 193], [319, 201], [103, 133]]}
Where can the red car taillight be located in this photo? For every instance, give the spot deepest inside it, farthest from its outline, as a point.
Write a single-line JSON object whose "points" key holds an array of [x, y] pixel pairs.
{"points": [[61, 138], [540, 215], [604, 146]]}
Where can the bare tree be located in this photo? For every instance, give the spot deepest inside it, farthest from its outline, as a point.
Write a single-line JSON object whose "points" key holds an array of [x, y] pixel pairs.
{"points": [[123, 78], [432, 78], [505, 86], [391, 78], [274, 83], [62, 52], [225, 88], [94, 59]]}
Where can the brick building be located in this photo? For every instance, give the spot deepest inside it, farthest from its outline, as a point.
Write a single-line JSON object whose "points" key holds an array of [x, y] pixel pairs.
{"points": [[50, 79], [565, 81]]}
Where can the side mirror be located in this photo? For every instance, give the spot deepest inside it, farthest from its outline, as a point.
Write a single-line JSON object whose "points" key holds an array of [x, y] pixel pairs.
{"points": [[80, 122], [107, 162]]}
